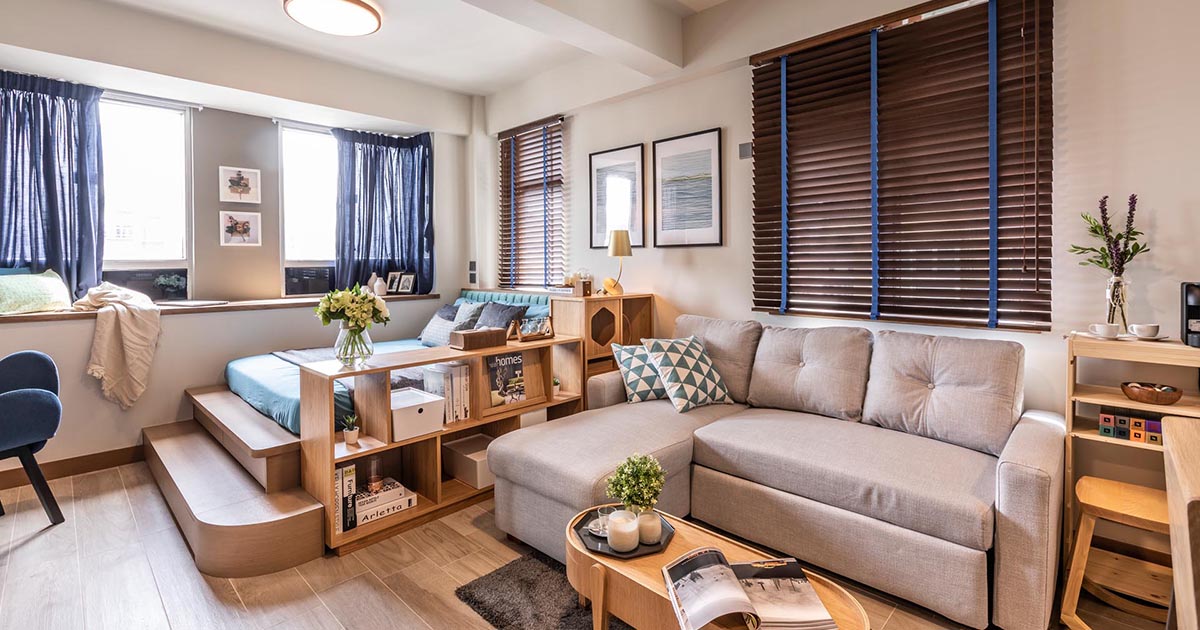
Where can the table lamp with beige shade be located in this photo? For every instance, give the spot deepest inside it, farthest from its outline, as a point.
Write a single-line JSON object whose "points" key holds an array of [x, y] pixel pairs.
{"points": [[618, 245]]}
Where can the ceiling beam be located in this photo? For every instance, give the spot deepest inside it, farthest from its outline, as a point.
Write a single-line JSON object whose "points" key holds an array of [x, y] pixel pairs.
{"points": [[640, 34]]}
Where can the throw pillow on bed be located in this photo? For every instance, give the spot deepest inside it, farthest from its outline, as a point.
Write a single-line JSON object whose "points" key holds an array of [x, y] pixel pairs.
{"points": [[468, 313], [639, 373], [437, 331], [448, 311], [687, 373], [497, 315]]}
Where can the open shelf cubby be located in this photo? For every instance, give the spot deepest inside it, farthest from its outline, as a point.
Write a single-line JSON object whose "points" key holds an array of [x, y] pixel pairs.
{"points": [[416, 462]]}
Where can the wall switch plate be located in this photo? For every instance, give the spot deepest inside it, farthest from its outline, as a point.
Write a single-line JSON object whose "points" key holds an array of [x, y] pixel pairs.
{"points": [[745, 150]]}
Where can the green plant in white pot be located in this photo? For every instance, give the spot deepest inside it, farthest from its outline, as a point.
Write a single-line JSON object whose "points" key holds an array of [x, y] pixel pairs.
{"points": [[350, 430], [637, 482]]}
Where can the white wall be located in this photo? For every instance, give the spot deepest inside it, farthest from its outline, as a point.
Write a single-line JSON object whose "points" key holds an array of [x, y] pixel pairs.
{"points": [[194, 349]]}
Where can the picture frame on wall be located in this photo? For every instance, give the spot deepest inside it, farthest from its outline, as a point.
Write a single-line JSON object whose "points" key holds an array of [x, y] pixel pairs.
{"points": [[617, 188], [241, 229], [239, 185], [408, 283], [687, 190]]}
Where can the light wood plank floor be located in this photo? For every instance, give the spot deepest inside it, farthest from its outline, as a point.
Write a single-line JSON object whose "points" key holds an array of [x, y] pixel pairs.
{"points": [[120, 562]]}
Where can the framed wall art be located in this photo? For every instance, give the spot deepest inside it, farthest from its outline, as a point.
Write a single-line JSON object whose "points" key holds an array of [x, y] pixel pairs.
{"points": [[687, 190], [240, 185], [617, 188]]}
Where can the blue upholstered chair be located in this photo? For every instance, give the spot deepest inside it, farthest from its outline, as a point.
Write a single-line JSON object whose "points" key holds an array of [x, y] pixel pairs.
{"points": [[29, 415]]}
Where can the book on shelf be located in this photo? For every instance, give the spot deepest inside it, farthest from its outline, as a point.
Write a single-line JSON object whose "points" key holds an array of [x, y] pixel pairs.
{"points": [[506, 378], [381, 510], [390, 491], [703, 586], [345, 487], [451, 382]]}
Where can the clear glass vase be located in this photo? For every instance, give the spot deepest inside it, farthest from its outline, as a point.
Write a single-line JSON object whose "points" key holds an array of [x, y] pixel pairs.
{"points": [[1117, 296], [353, 346]]}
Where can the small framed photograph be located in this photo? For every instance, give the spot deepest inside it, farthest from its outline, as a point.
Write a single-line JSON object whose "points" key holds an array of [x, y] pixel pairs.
{"points": [[616, 190], [408, 283], [687, 190], [240, 185], [393, 281], [241, 229]]}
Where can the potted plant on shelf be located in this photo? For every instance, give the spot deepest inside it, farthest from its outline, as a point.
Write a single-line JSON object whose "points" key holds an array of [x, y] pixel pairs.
{"points": [[637, 482], [1115, 251], [357, 310], [350, 429], [557, 386], [173, 286]]}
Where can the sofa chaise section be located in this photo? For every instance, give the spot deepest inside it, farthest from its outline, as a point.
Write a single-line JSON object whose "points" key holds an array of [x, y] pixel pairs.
{"points": [[548, 473]]}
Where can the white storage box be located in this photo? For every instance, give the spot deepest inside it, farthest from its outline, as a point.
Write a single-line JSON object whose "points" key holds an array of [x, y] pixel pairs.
{"points": [[415, 412], [466, 460]]}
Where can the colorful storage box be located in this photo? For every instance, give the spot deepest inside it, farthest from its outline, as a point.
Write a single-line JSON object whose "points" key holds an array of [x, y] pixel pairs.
{"points": [[1137, 435], [1154, 426], [1154, 438], [1122, 433], [1123, 421], [1107, 420], [1108, 431]]}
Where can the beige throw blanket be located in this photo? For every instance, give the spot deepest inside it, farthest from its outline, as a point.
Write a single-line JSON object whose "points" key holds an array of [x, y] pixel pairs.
{"points": [[127, 329]]}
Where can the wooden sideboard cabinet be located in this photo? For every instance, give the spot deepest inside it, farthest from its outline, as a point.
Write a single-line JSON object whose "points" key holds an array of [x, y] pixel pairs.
{"points": [[602, 320]]}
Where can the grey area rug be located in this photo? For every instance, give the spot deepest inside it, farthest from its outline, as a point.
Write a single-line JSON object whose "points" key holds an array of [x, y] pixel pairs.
{"points": [[529, 593]]}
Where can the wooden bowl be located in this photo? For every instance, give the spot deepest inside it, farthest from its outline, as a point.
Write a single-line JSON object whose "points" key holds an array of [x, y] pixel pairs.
{"points": [[1151, 393]]}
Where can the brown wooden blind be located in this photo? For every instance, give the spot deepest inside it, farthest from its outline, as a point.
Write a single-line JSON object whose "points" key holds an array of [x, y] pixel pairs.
{"points": [[532, 241], [931, 235]]}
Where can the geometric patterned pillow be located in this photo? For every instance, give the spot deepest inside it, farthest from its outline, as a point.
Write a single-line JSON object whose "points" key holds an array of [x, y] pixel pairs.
{"points": [[687, 373], [641, 377], [437, 331]]}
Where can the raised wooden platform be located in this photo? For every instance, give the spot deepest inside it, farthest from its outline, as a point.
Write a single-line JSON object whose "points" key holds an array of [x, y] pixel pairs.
{"points": [[266, 450], [234, 527]]}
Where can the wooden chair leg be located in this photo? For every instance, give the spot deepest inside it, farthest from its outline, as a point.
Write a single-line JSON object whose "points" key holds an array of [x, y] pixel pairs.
{"points": [[38, 480], [1083, 545]]}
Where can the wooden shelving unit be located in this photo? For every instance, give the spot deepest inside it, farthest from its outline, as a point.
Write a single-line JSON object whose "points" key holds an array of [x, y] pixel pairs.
{"points": [[602, 320], [1083, 426], [416, 462]]}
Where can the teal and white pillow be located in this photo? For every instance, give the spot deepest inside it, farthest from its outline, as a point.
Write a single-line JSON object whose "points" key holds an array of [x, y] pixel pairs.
{"points": [[687, 373], [639, 373]]}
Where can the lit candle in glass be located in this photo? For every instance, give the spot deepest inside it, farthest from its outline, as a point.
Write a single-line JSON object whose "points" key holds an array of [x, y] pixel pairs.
{"points": [[623, 531]]}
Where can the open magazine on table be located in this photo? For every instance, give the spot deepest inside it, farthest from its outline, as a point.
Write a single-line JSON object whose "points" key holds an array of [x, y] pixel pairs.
{"points": [[768, 594]]}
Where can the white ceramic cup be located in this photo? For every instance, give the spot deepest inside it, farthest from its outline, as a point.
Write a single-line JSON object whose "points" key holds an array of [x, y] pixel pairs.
{"points": [[1144, 331], [1107, 331]]}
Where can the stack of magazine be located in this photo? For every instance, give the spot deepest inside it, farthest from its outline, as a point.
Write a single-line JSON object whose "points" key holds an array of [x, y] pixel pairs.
{"points": [[356, 505], [766, 594], [451, 381]]}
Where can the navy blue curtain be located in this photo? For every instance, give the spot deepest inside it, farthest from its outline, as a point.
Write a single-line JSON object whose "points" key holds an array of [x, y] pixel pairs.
{"points": [[384, 207], [51, 190]]}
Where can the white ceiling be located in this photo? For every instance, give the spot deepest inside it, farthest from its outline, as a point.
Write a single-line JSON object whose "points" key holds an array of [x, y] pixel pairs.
{"points": [[447, 43]]}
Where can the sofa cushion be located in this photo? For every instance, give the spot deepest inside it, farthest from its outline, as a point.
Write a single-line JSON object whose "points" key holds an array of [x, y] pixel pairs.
{"points": [[927, 486], [967, 392], [687, 373], [731, 345], [818, 370], [569, 459], [638, 373]]}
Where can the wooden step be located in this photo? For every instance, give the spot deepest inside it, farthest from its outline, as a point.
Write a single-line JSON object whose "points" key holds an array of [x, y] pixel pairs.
{"points": [[234, 527], [268, 451]]}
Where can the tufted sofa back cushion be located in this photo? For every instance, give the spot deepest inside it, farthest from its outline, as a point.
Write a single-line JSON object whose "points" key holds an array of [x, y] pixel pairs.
{"points": [[817, 370], [967, 392], [730, 345]]}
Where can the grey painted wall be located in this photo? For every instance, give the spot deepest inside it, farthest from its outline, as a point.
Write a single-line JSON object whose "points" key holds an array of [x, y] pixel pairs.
{"points": [[221, 138]]}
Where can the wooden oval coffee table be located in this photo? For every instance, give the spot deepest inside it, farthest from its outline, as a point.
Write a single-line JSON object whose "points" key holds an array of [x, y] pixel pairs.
{"points": [[634, 590]]}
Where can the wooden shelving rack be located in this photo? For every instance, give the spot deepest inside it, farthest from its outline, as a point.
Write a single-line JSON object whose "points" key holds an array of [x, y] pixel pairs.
{"points": [[417, 462], [1085, 427]]}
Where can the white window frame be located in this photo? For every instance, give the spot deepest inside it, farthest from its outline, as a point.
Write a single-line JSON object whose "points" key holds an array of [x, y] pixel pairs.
{"points": [[188, 259], [284, 263]]}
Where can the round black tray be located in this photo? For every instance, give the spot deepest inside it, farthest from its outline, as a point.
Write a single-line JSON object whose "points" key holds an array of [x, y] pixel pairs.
{"points": [[599, 544]]}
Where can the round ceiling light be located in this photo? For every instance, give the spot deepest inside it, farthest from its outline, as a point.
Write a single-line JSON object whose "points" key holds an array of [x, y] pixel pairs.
{"points": [[337, 17]]}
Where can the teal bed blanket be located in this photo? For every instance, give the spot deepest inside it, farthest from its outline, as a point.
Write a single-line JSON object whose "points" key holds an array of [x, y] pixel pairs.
{"points": [[272, 385]]}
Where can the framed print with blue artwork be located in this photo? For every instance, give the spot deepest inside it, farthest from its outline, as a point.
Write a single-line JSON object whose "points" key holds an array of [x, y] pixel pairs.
{"points": [[687, 190]]}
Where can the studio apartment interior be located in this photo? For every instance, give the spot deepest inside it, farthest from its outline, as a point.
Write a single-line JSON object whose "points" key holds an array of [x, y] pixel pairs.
{"points": [[313, 313]]}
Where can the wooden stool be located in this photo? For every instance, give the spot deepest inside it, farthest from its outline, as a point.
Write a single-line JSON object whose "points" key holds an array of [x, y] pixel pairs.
{"points": [[1111, 573]]}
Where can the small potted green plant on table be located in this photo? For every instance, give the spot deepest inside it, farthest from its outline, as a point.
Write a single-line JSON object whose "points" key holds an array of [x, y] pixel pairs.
{"points": [[350, 430], [637, 482]]}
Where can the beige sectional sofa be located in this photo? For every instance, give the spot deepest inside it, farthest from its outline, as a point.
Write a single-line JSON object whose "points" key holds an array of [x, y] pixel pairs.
{"points": [[902, 461]]}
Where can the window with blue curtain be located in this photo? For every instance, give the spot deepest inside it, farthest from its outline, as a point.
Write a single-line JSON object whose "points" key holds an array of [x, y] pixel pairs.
{"points": [[51, 191], [532, 240], [384, 207], [902, 170]]}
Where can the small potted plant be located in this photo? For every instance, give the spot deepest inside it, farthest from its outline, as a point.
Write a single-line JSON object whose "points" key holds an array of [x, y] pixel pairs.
{"points": [[1118, 246], [557, 385], [637, 482], [350, 429], [173, 286]]}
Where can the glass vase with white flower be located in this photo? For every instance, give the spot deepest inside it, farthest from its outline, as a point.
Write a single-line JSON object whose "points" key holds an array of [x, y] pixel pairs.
{"points": [[356, 309]]}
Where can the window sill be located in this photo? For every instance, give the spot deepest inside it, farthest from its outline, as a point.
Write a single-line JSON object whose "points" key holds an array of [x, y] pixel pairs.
{"points": [[228, 307]]}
